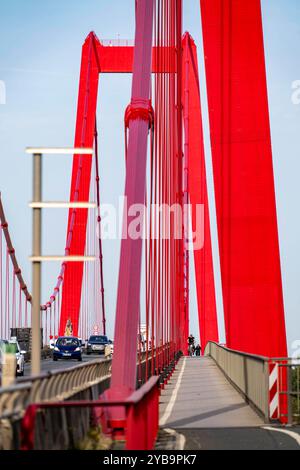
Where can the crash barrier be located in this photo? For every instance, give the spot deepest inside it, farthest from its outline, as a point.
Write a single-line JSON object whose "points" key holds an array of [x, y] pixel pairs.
{"points": [[271, 386], [140, 427], [81, 382]]}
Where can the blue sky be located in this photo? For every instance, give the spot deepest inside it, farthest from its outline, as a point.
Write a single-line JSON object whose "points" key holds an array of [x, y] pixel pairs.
{"points": [[40, 45]]}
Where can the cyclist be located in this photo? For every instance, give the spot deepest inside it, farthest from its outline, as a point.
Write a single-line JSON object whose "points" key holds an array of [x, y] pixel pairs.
{"points": [[191, 343]]}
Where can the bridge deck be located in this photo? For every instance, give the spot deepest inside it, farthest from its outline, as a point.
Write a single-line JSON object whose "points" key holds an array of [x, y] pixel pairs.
{"points": [[199, 396]]}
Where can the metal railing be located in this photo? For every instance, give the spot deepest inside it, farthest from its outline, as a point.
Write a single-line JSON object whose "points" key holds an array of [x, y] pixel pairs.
{"points": [[81, 382], [288, 389], [140, 426], [117, 42], [250, 374], [52, 386], [247, 372], [56, 385], [63, 384]]}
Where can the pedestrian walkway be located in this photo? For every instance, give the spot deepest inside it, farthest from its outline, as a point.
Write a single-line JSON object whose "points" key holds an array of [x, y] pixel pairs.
{"points": [[199, 396], [201, 410]]}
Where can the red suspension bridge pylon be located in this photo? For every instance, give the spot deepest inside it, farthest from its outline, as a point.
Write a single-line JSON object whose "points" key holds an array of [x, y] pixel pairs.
{"points": [[166, 166], [177, 172]]}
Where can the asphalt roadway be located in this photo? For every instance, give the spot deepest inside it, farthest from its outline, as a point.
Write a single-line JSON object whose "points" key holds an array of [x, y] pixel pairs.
{"points": [[241, 439], [48, 365]]}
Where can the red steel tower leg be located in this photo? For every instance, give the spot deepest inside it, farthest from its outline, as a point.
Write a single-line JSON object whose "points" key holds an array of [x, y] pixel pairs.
{"points": [[128, 299], [243, 174], [194, 148], [80, 185]]}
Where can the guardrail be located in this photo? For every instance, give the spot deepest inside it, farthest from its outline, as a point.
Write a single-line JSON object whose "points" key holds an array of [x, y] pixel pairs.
{"points": [[83, 382], [141, 412], [271, 385], [249, 373], [63, 384], [55, 385]]}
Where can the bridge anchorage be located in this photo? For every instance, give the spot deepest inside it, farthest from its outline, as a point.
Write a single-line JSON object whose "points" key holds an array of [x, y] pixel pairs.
{"points": [[146, 392]]}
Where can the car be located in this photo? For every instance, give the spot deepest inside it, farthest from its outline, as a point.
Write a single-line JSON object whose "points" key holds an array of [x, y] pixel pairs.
{"points": [[96, 344], [14, 348], [67, 347]]}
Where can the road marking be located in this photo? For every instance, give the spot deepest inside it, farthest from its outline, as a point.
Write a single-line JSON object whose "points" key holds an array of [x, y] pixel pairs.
{"points": [[173, 398], [291, 434], [180, 438]]}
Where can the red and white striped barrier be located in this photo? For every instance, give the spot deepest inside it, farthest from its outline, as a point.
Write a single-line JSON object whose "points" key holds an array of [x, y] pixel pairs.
{"points": [[274, 391]]}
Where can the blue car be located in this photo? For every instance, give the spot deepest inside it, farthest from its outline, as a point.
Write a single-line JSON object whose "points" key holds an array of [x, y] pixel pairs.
{"points": [[67, 347]]}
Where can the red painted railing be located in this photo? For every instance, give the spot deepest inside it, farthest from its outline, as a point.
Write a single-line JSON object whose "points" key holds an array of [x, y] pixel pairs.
{"points": [[142, 416]]}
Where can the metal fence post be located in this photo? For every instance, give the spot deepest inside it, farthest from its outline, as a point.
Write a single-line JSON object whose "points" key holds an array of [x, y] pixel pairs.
{"points": [[267, 393], [36, 266], [290, 395]]}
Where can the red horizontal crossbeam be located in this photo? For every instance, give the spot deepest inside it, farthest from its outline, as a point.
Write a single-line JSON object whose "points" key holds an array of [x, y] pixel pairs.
{"points": [[119, 59]]}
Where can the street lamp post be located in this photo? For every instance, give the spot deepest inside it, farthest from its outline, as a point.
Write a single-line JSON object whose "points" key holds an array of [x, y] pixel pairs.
{"points": [[36, 266], [37, 205]]}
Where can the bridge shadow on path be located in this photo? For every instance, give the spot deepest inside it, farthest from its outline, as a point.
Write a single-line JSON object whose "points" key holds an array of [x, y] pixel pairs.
{"points": [[204, 399], [188, 422]]}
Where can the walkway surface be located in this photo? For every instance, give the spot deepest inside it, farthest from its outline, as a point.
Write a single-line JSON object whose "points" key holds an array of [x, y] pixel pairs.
{"points": [[205, 399], [207, 412]]}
